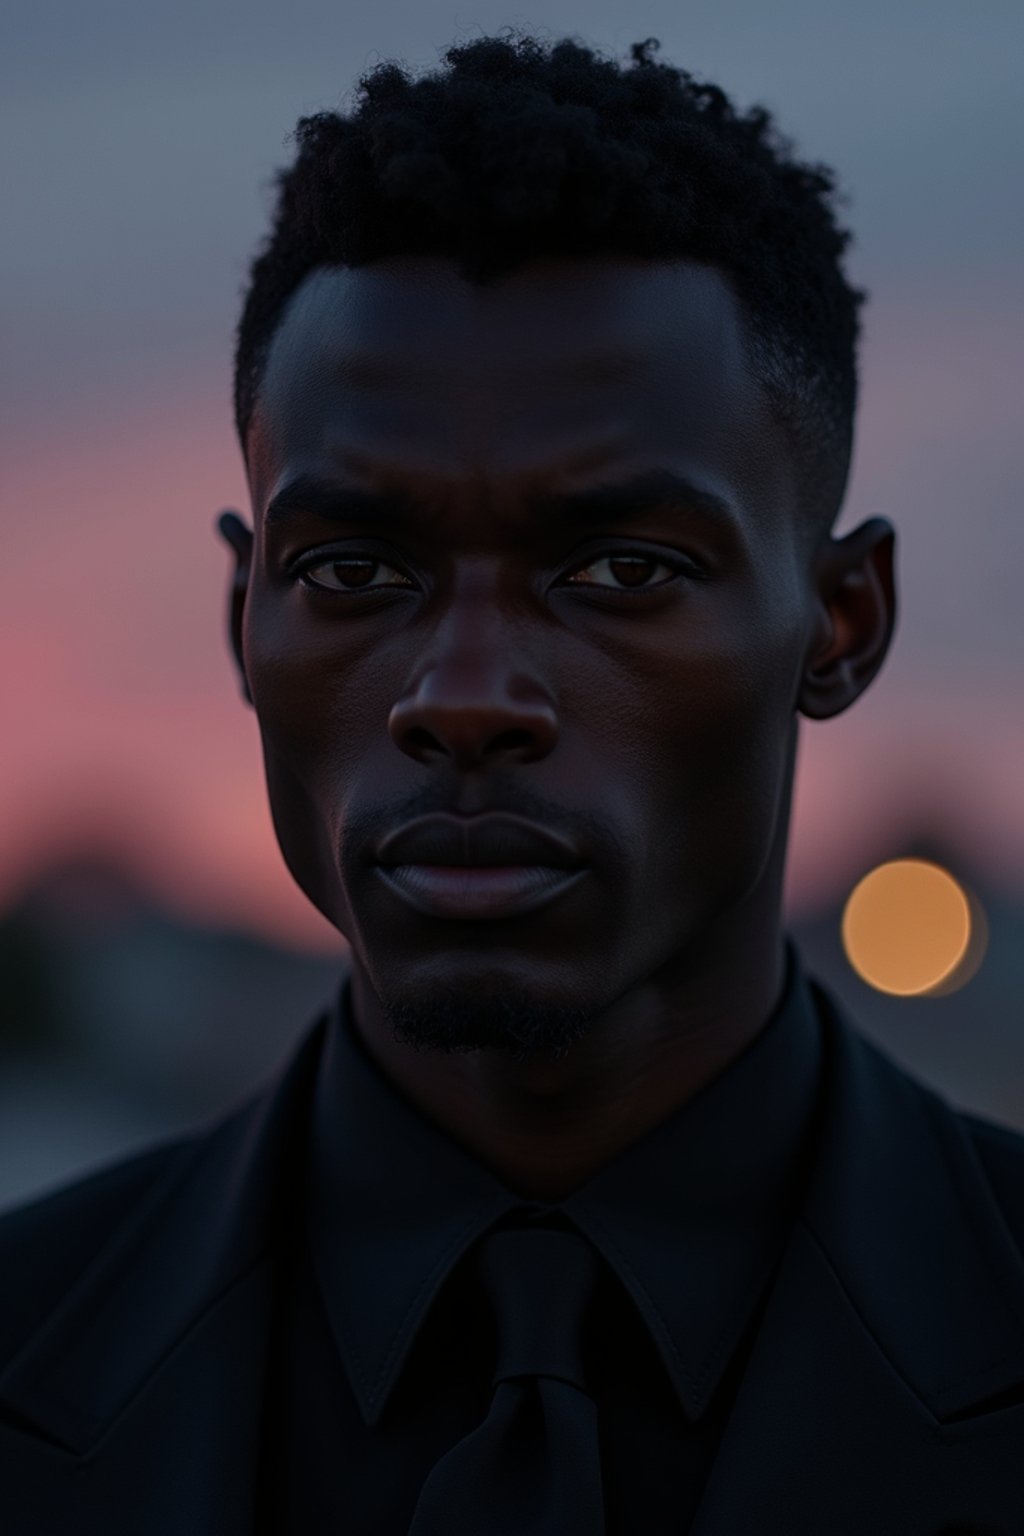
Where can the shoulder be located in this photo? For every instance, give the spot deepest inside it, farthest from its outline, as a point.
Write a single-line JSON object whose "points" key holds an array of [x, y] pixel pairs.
{"points": [[48, 1242], [1000, 1150], [995, 1149]]}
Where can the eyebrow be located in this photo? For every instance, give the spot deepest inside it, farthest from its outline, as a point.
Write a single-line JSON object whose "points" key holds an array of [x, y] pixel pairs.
{"points": [[613, 502]]}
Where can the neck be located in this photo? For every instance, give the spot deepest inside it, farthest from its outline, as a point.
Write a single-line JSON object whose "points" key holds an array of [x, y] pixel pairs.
{"points": [[544, 1126]]}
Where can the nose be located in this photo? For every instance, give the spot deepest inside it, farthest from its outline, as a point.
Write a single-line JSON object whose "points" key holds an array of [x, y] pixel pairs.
{"points": [[474, 700]]}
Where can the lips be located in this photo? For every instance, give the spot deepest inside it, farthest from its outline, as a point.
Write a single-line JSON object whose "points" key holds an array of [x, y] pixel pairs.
{"points": [[458, 891], [476, 841]]}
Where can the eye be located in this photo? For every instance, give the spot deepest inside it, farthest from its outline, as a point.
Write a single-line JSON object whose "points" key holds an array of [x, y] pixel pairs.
{"points": [[631, 566], [360, 567]]}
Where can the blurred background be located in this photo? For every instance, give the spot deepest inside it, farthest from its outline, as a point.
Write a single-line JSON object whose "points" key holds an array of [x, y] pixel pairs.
{"points": [[156, 959]]}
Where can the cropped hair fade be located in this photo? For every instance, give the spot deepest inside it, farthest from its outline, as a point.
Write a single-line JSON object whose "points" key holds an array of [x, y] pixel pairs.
{"points": [[517, 150]]}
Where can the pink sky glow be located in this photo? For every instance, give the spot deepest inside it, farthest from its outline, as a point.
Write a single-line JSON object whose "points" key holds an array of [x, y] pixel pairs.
{"points": [[123, 723]]}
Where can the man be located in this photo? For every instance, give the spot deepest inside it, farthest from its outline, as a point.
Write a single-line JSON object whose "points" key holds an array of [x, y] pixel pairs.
{"points": [[582, 1208]]}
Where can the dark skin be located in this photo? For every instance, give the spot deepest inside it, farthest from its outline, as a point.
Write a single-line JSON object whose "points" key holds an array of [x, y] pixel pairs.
{"points": [[489, 665]]}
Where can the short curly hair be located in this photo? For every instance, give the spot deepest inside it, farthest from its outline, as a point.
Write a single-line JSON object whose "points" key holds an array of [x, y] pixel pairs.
{"points": [[518, 150]]}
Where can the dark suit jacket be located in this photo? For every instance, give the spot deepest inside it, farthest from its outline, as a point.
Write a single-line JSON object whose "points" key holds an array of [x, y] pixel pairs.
{"points": [[884, 1395]]}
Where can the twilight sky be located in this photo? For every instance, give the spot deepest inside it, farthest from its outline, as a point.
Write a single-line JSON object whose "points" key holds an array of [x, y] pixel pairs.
{"points": [[137, 143]]}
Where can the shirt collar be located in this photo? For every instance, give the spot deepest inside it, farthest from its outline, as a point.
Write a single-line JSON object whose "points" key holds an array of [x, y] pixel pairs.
{"points": [[692, 1216]]}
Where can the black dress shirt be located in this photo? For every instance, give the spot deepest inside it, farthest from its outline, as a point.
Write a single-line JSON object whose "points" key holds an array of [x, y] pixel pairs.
{"points": [[383, 1350]]}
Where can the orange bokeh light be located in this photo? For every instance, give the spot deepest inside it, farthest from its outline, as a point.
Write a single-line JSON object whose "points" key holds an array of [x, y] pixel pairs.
{"points": [[910, 929]]}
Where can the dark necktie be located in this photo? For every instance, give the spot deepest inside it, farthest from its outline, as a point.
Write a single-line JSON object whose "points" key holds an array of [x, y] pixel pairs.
{"points": [[533, 1467]]}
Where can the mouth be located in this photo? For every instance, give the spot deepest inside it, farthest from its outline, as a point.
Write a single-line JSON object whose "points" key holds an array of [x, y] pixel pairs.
{"points": [[479, 890]]}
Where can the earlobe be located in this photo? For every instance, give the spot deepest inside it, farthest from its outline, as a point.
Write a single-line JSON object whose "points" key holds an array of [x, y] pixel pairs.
{"points": [[234, 531], [856, 610]]}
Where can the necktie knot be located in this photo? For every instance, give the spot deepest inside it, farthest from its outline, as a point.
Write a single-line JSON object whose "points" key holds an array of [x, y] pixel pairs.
{"points": [[534, 1464], [540, 1282]]}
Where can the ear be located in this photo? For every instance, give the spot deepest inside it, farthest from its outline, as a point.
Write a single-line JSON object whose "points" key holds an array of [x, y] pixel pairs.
{"points": [[855, 612], [235, 533]]}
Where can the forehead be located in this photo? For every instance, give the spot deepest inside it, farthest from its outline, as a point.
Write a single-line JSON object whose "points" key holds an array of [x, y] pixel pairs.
{"points": [[407, 368]]}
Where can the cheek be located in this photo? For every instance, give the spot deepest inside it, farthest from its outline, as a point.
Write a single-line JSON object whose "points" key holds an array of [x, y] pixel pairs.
{"points": [[721, 742], [302, 822], [300, 694], [297, 698], [304, 763]]}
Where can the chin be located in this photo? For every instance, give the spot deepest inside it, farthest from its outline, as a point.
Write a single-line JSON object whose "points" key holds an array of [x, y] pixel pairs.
{"points": [[509, 1019]]}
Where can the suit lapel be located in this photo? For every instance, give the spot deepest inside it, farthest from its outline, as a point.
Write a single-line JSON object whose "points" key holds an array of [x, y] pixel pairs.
{"points": [[885, 1388], [150, 1373]]}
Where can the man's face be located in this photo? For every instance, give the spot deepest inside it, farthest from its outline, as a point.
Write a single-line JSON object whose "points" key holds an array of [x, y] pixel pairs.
{"points": [[630, 683]]}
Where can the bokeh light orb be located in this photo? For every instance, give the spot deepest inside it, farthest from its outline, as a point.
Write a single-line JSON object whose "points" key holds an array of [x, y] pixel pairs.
{"points": [[907, 927]]}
